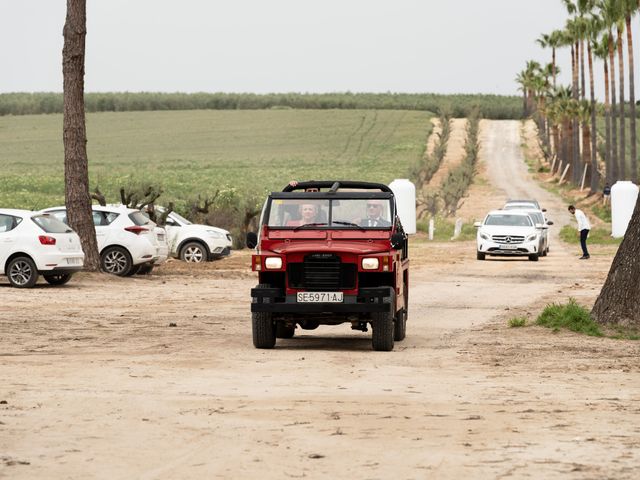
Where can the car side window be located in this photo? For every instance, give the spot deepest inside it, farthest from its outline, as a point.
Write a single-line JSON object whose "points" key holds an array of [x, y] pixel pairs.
{"points": [[8, 223], [110, 217], [98, 219]]}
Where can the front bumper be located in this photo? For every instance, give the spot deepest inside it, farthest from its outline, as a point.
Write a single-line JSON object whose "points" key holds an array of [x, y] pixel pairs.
{"points": [[491, 248], [368, 300], [220, 252]]}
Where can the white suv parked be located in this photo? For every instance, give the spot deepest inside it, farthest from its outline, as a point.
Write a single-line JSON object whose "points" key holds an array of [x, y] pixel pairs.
{"points": [[33, 243], [196, 243], [508, 233], [128, 241]]}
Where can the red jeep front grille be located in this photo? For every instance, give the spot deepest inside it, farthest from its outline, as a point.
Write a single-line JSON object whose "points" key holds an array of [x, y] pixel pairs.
{"points": [[322, 272]]}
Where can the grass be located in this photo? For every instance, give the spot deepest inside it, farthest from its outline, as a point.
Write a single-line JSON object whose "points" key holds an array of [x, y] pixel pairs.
{"points": [[570, 316], [597, 236], [444, 228], [196, 152], [517, 322], [603, 212]]}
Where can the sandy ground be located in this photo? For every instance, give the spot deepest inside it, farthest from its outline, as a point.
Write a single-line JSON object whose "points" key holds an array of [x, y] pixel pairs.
{"points": [[97, 384]]}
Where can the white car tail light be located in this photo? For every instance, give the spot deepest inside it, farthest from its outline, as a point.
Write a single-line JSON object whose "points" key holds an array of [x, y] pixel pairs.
{"points": [[136, 229], [47, 240]]}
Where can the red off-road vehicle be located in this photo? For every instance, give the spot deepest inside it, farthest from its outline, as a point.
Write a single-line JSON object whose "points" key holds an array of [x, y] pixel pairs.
{"points": [[330, 252]]}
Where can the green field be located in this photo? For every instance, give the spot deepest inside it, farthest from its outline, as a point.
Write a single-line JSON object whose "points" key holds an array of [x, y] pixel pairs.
{"points": [[191, 153]]}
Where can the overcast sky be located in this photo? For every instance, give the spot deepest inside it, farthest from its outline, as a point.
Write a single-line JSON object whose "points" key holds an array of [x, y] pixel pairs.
{"points": [[451, 46]]}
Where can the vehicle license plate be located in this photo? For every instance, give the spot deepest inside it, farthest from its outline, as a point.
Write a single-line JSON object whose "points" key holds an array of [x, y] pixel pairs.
{"points": [[74, 261], [509, 247], [320, 297]]}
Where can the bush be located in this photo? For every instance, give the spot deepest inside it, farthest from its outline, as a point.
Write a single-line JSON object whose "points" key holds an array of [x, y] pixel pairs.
{"points": [[570, 316], [517, 322]]}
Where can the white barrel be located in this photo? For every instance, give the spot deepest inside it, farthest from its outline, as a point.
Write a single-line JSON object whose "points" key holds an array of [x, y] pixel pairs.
{"points": [[624, 195], [405, 193]]}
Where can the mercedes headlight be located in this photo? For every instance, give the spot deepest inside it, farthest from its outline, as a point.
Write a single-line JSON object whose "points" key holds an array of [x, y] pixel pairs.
{"points": [[532, 237], [484, 236], [215, 234]]}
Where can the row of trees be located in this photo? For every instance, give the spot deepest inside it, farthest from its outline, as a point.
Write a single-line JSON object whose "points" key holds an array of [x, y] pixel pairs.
{"points": [[563, 113], [491, 106], [596, 30]]}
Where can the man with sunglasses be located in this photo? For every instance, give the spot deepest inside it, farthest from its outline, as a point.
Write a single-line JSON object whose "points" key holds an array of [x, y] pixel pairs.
{"points": [[374, 216]]}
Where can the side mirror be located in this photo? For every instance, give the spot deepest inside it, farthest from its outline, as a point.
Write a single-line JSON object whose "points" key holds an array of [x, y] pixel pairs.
{"points": [[549, 222], [477, 224], [544, 209], [252, 240], [397, 240]]}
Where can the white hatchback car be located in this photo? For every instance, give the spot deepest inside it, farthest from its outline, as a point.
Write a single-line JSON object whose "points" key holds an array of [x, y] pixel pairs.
{"points": [[128, 241], [508, 233], [33, 243], [196, 243]]}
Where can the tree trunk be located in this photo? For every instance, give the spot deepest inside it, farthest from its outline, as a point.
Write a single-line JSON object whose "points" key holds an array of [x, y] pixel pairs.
{"points": [[76, 167], [615, 172], [576, 159], [622, 152], [632, 103], [607, 124], [583, 90], [619, 298], [553, 65], [594, 177]]}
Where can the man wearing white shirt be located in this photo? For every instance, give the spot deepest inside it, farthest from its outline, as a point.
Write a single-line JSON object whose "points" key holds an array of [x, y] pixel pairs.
{"points": [[583, 227]]}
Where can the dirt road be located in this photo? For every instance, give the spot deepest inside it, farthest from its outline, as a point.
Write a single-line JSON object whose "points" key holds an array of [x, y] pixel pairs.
{"points": [[98, 385]]}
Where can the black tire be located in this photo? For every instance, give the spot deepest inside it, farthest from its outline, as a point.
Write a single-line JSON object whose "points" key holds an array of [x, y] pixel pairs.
{"points": [[382, 324], [133, 270], [22, 272], [57, 278], [263, 327], [400, 326], [480, 256], [285, 331], [145, 269], [194, 252], [117, 261], [533, 257]]}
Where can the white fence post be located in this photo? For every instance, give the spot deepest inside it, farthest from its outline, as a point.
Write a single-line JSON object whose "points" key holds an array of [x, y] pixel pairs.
{"points": [[431, 228], [457, 229], [566, 169]]}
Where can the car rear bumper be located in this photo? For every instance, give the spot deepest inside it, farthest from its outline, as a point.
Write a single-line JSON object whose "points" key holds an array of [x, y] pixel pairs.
{"points": [[63, 261], [368, 300]]}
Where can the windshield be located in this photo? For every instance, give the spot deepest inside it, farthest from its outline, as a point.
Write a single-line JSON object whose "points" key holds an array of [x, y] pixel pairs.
{"points": [[180, 218], [342, 213], [537, 217], [509, 220]]}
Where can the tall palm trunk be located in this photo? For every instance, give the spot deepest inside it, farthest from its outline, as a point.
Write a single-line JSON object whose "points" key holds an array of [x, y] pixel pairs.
{"points": [[582, 82], [632, 103], [553, 67], [594, 177], [607, 123], [615, 172], [622, 157], [575, 128]]}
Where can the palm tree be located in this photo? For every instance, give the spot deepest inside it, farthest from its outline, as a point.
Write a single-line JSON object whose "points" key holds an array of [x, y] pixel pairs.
{"points": [[601, 51], [620, 29], [593, 27], [552, 40], [630, 8]]}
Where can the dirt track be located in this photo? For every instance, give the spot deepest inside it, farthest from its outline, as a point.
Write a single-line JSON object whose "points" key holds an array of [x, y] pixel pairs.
{"points": [[98, 385]]}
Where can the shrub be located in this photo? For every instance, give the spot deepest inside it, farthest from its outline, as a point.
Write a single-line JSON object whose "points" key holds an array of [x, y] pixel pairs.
{"points": [[570, 316]]}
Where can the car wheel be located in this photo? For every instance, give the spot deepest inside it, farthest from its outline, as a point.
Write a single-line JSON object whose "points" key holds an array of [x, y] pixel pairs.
{"points": [[533, 257], [57, 278], [193, 252], [400, 326], [145, 269], [22, 272], [117, 261], [382, 337], [480, 255], [263, 328], [285, 331]]}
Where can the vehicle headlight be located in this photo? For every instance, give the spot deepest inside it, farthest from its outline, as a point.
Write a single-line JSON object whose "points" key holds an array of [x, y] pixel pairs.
{"points": [[370, 263], [215, 234], [532, 237], [484, 236], [273, 263]]}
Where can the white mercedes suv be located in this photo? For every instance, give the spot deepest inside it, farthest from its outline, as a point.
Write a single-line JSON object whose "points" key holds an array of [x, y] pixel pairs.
{"points": [[508, 233]]}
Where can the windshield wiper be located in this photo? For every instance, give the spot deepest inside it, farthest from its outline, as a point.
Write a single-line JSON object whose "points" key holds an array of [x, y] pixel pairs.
{"points": [[350, 224], [310, 225]]}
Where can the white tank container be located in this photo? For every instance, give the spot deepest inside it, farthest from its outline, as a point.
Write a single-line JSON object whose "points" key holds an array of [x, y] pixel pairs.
{"points": [[405, 193], [624, 195]]}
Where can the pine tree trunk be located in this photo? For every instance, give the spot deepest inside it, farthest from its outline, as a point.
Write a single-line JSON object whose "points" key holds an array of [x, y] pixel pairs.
{"points": [[619, 298], [594, 177], [76, 168], [622, 151], [615, 171], [632, 103]]}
